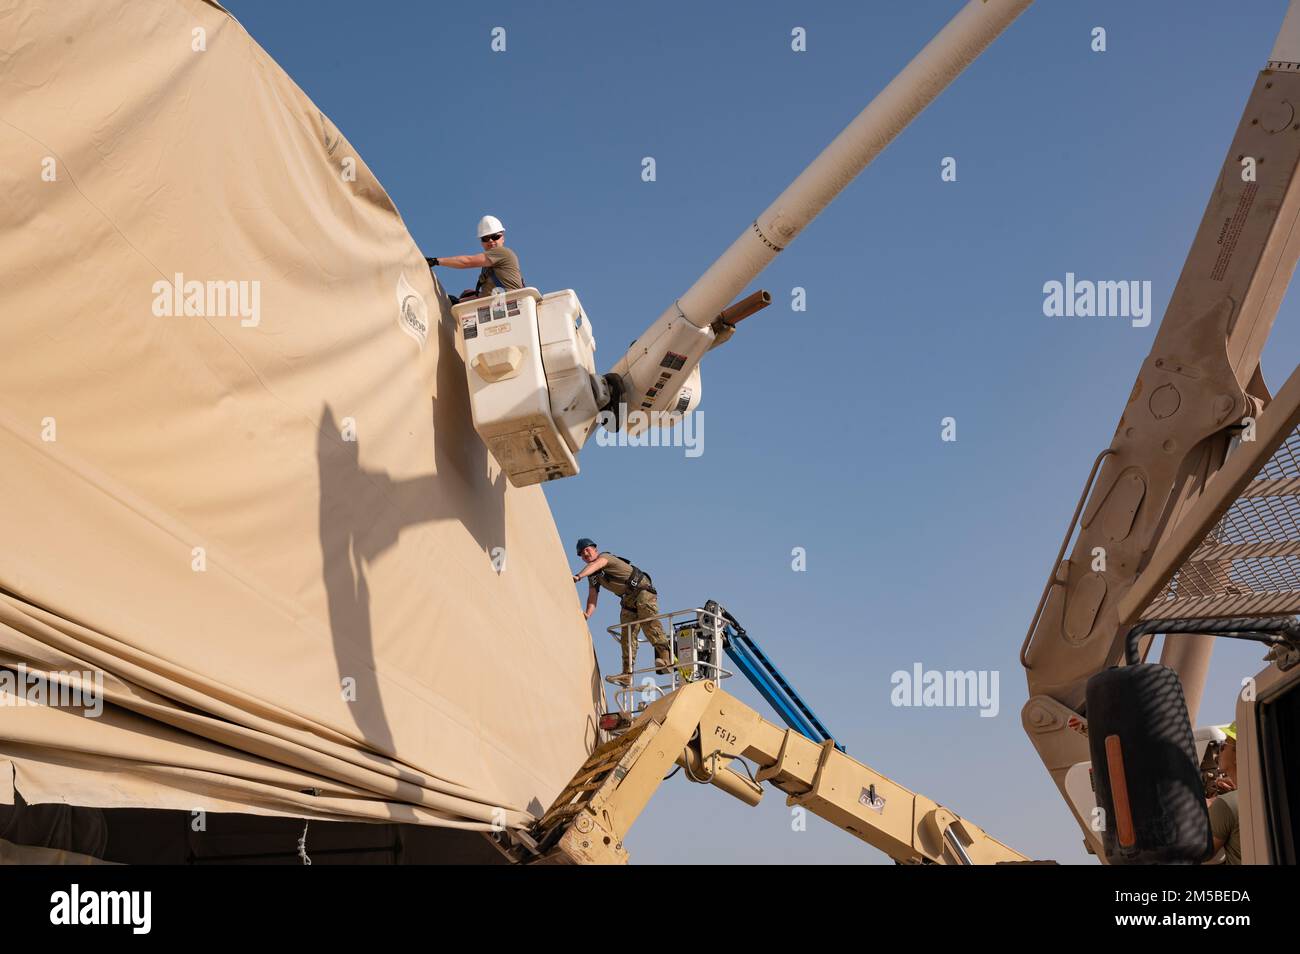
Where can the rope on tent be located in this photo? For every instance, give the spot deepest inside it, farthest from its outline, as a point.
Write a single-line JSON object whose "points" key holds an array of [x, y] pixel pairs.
{"points": [[302, 839], [302, 845]]}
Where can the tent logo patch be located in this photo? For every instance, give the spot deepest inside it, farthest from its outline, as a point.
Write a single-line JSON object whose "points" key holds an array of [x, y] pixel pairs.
{"points": [[412, 312]]}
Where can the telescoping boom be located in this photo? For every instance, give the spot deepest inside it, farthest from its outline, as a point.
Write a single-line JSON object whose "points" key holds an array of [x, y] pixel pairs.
{"points": [[535, 394]]}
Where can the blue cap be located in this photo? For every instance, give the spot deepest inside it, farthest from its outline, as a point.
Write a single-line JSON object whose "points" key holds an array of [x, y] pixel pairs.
{"points": [[584, 543]]}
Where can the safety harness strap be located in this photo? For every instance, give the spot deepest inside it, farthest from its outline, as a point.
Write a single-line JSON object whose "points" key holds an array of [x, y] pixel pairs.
{"points": [[637, 581]]}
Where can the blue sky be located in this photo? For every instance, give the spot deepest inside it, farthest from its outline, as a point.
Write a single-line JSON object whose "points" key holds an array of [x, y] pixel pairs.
{"points": [[822, 428]]}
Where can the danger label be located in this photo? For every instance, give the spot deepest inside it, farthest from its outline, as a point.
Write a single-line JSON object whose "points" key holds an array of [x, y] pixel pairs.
{"points": [[1230, 232]]}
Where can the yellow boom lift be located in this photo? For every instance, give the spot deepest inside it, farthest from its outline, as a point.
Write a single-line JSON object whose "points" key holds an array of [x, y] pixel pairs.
{"points": [[690, 721]]}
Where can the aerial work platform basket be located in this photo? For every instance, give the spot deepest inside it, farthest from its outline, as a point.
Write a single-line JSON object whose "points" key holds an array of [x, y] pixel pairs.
{"points": [[699, 637]]}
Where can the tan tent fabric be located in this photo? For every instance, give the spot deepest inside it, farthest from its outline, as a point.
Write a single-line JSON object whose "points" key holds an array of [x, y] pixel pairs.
{"points": [[239, 515]]}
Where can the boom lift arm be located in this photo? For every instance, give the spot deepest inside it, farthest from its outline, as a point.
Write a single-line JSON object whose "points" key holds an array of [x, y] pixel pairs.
{"points": [[535, 395], [1199, 387], [763, 675], [706, 730]]}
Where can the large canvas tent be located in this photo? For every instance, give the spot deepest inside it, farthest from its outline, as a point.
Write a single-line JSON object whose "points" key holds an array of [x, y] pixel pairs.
{"points": [[240, 485]]}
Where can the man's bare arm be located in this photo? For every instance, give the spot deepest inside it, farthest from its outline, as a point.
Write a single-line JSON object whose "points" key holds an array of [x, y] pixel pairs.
{"points": [[464, 261], [592, 594], [595, 566]]}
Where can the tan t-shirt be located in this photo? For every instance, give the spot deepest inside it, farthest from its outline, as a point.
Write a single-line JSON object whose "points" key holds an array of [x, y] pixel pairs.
{"points": [[614, 576], [1225, 824], [504, 264]]}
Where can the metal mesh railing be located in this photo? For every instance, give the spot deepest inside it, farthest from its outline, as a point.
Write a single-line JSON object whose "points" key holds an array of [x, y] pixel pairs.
{"points": [[1249, 564]]}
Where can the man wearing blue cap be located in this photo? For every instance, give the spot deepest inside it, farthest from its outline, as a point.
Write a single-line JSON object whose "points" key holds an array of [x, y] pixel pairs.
{"points": [[638, 602]]}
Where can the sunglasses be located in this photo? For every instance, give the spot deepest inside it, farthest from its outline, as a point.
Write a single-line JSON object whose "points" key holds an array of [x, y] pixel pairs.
{"points": [[491, 238]]}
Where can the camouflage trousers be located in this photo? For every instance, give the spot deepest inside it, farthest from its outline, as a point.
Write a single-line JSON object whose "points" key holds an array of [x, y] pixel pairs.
{"points": [[643, 605]]}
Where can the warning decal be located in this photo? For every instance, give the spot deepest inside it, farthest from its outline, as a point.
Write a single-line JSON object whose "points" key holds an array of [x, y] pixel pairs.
{"points": [[673, 360]]}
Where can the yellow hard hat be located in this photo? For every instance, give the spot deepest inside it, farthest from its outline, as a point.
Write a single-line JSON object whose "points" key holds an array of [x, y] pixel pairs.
{"points": [[1230, 730]]}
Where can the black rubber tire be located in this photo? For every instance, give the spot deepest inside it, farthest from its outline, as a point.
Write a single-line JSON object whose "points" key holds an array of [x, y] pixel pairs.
{"points": [[1145, 707]]}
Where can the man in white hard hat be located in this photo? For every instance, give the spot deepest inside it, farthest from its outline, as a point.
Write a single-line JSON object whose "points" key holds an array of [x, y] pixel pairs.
{"points": [[500, 266]]}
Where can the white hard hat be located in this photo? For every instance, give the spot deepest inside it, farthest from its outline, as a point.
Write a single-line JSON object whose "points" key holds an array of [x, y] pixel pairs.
{"points": [[489, 225]]}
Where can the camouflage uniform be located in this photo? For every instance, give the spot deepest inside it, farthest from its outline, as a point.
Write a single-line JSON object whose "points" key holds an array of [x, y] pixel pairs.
{"points": [[634, 605]]}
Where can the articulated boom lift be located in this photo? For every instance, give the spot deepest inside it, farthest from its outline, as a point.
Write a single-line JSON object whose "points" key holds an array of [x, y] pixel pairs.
{"points": [[693, 723]]}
